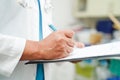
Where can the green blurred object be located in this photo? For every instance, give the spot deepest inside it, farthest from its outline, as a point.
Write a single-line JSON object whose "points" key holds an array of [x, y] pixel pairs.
{"points": [[85, 71], [115, 67]]}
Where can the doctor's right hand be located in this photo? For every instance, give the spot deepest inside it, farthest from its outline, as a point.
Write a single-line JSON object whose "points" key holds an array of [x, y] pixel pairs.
{"points": [[57, 45]]}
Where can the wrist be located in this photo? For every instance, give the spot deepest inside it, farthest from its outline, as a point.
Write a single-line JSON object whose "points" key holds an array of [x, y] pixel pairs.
{"points": [[31, 51]]}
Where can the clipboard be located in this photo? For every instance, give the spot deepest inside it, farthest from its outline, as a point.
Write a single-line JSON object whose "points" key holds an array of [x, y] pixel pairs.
{"points": [[97, 51]]}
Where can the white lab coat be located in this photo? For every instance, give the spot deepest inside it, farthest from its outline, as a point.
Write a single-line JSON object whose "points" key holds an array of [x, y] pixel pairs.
{"points": [[19, 22]]}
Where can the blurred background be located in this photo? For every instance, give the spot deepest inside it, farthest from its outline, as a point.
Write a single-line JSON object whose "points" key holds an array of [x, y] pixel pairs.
{"points": [[95, 22]]}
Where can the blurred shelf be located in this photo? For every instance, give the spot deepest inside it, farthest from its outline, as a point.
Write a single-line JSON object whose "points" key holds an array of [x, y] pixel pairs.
{"points": [[96, 8]]}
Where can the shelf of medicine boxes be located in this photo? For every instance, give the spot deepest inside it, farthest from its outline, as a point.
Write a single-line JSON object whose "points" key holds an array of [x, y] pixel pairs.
{"points": [[96, 8]]}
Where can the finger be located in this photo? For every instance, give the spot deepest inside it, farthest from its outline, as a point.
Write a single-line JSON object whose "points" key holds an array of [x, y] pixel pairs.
{"points": [[70, 42], [79, 44], [69, 50], [68, 33], [66, 52]]}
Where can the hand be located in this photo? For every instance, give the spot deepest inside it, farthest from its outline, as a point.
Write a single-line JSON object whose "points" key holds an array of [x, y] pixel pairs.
{"points": [[57, 45]]}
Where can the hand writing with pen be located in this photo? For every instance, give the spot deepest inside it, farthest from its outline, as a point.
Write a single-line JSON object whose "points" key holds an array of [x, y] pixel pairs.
{"points": [[58, 44]]}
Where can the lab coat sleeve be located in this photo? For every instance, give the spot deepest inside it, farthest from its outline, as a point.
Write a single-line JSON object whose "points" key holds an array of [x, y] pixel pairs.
{"points": [[11, 49]]}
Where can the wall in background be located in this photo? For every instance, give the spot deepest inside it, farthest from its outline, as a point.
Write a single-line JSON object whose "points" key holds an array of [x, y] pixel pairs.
{"points": [[62, 13]]}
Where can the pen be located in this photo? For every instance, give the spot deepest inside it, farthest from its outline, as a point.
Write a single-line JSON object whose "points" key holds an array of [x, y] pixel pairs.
{"points": [[53, 27]]}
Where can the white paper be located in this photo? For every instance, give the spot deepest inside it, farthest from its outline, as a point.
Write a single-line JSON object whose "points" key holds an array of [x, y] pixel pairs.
{"points": [[96, 51]]}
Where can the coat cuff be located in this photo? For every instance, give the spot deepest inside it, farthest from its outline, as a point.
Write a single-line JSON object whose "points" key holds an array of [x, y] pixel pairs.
{"points": [[12, 59]]}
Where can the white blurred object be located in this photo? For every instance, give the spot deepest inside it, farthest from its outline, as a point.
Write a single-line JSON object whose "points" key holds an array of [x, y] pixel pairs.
{"points": [[102, 73], [116, 35], [64, 71], [84, 35]]}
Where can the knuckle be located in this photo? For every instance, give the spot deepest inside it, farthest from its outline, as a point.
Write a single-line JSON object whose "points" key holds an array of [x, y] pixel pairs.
{"points": [[70, 43], [68, 50], [60, 39], [71, 32], [62, 47]]}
